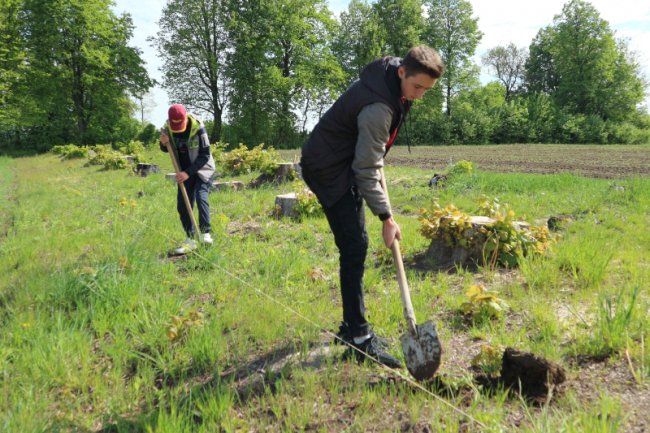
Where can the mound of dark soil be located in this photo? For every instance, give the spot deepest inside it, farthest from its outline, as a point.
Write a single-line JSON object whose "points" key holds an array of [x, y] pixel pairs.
{"points": [[533, 376]]}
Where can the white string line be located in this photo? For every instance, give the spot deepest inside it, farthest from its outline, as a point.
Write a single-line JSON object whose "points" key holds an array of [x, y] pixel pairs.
{"points": [[404, 377]]}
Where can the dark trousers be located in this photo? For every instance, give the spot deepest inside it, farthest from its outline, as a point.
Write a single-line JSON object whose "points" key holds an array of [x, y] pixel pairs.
{"points": [[347, 221], [197, 190]]}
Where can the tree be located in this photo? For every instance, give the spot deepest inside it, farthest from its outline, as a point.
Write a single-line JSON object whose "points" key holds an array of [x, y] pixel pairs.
{"points": [[12, 66], [359, 39], [80, 71], [401, 23], [541, 76], [280, 62], [452, 31], [508, 64], [586, 70], [193, 44]]}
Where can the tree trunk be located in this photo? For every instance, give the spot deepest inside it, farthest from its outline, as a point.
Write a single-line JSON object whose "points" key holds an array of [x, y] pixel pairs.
{"points": [[215, 133]]}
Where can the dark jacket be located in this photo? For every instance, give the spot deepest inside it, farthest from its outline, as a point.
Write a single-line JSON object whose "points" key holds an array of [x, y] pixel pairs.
{"points": [[192, 149], [328, 155]]}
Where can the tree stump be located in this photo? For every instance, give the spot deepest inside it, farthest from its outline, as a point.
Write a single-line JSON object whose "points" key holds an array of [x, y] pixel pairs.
{"points": [[285, 169], [223, 186], [285, 172], [444, 255], [285, 204], [147, 169]]}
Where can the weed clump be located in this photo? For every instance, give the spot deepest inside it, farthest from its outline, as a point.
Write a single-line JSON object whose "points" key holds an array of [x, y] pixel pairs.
{"points": [[307, 204], [501, 241], [70, 151], [243, 160]]}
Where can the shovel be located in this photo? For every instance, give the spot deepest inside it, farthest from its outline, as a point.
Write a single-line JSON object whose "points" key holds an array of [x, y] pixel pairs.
{"points": [[420, 343], [186, 199]]}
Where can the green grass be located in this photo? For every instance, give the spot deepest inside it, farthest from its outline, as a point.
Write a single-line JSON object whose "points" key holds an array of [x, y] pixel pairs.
{"points": [[87, 297]]}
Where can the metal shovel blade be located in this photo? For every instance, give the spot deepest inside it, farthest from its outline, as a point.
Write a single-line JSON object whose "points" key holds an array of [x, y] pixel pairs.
{"points": [[422, 352]]}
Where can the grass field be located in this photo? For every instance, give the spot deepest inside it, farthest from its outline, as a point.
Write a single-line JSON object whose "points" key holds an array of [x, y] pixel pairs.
{"points": [[103, 332]]}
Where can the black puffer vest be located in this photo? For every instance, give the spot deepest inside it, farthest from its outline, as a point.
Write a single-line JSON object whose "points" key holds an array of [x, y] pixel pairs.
{"points": [[328, 153]]}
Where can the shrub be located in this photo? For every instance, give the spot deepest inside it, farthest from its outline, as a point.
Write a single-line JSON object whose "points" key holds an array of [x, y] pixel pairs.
{"points": [[460, 168], [242, 160], [69, 151], [134, 148], [148, 134], [504, 241], [306, 204], [108, 158]]}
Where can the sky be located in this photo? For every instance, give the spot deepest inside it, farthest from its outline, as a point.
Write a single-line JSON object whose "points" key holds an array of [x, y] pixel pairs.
{"points": [[501, 21]]}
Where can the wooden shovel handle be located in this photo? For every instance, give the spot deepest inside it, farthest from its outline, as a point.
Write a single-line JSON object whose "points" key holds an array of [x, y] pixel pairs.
{"points": [[405, 294], [186, 199]]}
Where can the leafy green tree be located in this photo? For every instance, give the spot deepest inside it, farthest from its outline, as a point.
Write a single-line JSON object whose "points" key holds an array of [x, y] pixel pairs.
{"points": [[508, 65], [12, 66], [425, 123], [584, 67], [541, 117], [451, 29], [541, 75], [80, 71], [401, 23], [193, 44], [248, 29], [281, 66], [476, 115], [359, 39]]}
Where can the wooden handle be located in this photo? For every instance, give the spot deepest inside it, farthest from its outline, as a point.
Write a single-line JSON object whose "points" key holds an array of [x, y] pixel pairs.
{"points": [[404, 291], [181, 185]]}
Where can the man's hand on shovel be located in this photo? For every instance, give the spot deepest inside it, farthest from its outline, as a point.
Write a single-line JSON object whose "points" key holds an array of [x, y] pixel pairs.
{"points": [[181, 176], [390, 232]]}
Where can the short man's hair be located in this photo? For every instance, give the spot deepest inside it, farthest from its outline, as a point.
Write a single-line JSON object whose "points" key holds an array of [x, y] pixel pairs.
{"points": [[423, 60]]}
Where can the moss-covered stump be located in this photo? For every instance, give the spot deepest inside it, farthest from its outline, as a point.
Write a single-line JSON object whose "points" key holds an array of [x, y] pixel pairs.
{"points": [[444, 255], [285, 172]]}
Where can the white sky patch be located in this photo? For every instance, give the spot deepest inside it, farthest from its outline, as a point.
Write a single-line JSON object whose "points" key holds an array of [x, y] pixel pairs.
{"points": [[501, 21], [517, 21], [145, 14]]}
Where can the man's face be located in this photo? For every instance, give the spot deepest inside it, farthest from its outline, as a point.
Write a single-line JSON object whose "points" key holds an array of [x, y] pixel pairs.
{"points": [[415, 86]]}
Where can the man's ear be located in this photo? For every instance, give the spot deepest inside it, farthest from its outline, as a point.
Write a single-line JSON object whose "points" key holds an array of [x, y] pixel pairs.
{"points": [[401, 72]]}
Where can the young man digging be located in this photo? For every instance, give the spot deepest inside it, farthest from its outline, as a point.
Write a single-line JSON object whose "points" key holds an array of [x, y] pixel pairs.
{"points": [[189, 140], [342, 163]]}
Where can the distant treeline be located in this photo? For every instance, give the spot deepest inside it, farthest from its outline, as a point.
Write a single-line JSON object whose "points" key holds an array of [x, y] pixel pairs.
{"points": [[262, 71]]}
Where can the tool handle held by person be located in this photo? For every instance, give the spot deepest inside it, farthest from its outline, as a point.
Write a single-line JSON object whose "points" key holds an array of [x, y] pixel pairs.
{"points": [[181, 185], [409, 314]]}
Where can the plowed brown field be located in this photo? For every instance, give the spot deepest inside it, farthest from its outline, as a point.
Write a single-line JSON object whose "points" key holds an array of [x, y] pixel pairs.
{"points": [[585, 160]]}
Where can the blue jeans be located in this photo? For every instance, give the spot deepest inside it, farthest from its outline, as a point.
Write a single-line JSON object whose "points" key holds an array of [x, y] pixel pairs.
{"points": [[347, 221], [197, 190]]}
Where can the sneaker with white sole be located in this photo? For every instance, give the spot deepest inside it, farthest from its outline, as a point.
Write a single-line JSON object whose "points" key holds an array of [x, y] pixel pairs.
{"points": [[206, 238], [371, 350], [187, 246]]}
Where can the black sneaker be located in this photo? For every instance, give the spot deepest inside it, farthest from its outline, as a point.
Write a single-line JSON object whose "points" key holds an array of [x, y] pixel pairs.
{"points": [[344, 337], [371, 348]]}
